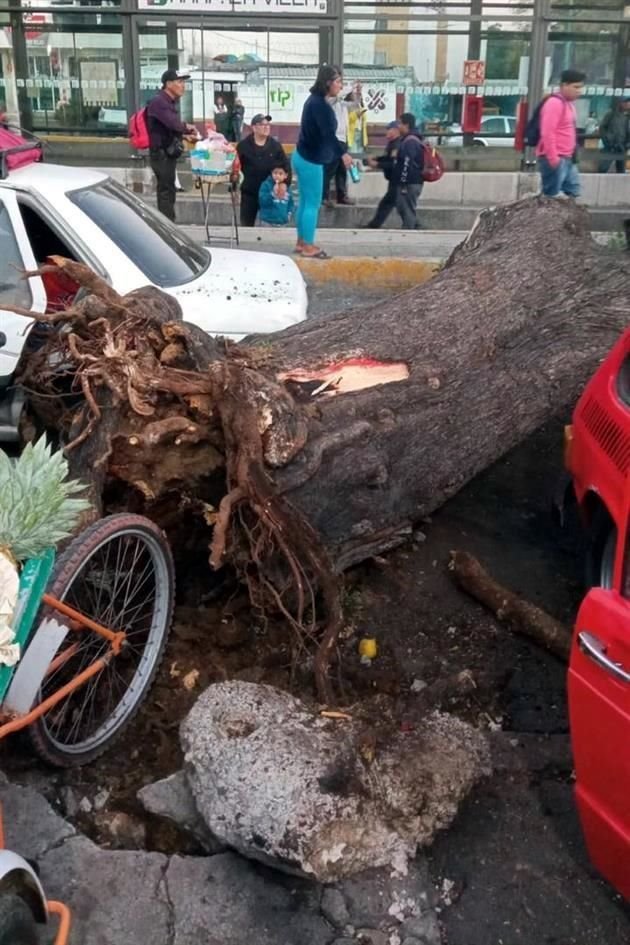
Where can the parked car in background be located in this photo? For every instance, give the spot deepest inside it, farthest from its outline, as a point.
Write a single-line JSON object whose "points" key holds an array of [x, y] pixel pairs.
{"points": [[598, 460], [497, 131]]}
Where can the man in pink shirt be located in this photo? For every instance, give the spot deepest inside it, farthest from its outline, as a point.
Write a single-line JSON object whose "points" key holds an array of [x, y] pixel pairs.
{"points": [[557, 147]]}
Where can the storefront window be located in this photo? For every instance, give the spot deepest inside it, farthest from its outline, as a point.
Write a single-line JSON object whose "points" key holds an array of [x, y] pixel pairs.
{"points": [[420, 51], [75, 79], [268, 71]]}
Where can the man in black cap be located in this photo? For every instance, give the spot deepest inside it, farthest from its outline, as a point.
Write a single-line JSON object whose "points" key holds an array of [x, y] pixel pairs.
{"points": [[386, 164], [259, 153], [166, 133]]}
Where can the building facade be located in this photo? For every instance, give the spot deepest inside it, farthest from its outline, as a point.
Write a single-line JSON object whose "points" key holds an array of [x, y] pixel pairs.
{"points": [[81, 67]]}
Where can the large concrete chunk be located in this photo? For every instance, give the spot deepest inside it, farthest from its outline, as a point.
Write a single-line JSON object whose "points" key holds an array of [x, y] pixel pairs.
{"points": [[172, 799], [283, 785]]}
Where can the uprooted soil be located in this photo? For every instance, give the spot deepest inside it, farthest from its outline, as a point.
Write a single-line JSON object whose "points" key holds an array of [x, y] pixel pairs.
{"points": [[435, 646]]}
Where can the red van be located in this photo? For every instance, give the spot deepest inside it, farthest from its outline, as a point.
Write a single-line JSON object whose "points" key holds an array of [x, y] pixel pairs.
{"points": [[597, 452]]}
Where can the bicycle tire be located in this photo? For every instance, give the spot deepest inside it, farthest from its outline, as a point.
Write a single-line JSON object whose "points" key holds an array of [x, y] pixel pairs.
{"points": [[83, 557]]}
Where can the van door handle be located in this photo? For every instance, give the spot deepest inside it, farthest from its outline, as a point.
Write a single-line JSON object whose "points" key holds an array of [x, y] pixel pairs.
{"points": [[593, 647]]}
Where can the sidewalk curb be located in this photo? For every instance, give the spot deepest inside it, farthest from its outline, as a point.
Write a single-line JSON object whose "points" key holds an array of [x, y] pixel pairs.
{"points": [[368, 271]]}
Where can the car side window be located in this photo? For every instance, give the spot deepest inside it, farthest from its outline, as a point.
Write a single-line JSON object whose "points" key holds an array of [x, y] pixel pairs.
{"points": [[493, 126], [13, 289], [511, 125]]}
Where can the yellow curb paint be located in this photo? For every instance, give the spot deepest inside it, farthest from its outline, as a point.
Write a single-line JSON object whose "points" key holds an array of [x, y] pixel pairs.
{"points": [[369, 271]]}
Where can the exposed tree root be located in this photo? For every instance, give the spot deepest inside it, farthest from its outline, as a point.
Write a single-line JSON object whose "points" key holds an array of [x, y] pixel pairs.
{"points": [[520, 615], [143, 398]]}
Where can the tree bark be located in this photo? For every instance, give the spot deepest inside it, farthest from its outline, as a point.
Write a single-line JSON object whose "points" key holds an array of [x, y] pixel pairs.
{"points": [[322, 445], [506, 335]]}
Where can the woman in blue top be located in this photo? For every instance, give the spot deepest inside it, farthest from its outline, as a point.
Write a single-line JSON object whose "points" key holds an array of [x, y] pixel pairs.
{"points": [[317, 146]]}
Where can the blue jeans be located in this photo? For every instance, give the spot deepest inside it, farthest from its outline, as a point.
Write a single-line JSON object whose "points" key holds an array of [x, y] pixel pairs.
{"points": [[310, 181], [563, 179]]}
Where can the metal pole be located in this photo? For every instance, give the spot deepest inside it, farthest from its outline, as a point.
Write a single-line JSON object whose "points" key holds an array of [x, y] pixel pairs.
{"points": [[537, 58], [538, 53], [20, 65], [474, 51]]}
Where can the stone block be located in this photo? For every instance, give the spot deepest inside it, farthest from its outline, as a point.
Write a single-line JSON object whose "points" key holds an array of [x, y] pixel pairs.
{"points": [[447, 190], [614, 190], [488, 190]]}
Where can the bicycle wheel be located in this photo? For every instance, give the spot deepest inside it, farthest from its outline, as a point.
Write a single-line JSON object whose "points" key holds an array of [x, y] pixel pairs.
{"points": [[119, 572]]}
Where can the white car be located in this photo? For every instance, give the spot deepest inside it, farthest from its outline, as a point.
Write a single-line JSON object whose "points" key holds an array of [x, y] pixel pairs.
{"points": [[47, 209], [497, 131]]}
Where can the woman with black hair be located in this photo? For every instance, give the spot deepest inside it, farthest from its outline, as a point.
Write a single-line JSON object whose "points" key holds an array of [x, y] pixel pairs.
{"points": [[317, 146]]}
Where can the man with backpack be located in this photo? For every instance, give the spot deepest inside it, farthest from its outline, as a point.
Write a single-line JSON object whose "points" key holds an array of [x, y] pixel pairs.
{"points": [[166, 134], [386, 163], [409, 171], [556, 145]]}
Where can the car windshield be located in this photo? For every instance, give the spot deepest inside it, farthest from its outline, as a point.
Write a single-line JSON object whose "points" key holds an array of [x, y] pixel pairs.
{"points": [[160, 249]]}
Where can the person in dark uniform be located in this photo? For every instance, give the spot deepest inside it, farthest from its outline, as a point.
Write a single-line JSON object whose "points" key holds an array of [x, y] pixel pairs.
{"points": [[386, 163], [166, 134], [259, 153]]}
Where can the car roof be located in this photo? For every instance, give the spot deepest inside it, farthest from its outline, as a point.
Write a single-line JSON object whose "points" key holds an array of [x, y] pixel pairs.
{"points": [[49, 179]]}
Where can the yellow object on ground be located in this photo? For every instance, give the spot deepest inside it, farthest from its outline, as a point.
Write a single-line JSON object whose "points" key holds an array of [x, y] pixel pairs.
{"points": [[368, 647]]}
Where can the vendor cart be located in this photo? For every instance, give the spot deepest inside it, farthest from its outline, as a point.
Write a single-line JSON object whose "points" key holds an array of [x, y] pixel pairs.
{"points": [[212, 170]]}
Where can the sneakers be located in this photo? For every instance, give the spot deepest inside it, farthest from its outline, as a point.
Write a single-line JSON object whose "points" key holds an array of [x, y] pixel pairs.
{"points": [[346, 202], [329, 204]]}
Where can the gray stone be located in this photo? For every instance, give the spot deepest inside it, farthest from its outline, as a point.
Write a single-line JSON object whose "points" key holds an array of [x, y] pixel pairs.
{"points": [[172, 799], [372, 937], [85, 805], [101, 799], [115, 897], [424, 927], [283, 785], [69, 801], [31, 825], [334, 908], [225, 900], [376, 894], [344, 941], [412, 941]]}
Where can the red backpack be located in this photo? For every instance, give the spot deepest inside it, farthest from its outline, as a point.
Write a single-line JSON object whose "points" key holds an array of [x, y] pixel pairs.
{"points": [[139, 130], [433, 167]]}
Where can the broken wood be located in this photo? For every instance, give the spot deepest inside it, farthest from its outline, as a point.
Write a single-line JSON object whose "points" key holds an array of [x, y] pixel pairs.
{"points": [[509, 608], [322, 445]]}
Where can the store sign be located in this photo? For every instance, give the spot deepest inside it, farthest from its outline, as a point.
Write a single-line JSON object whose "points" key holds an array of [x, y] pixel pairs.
{"points": [[474, 72], [238, 6]]}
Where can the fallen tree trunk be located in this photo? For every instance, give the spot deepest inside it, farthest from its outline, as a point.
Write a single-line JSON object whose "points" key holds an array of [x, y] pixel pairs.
{"points": [[310, 451], [509, 608]]}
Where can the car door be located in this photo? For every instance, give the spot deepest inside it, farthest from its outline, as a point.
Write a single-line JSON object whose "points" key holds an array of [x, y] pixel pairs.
{"points": [[599, 708], [27, 294]]}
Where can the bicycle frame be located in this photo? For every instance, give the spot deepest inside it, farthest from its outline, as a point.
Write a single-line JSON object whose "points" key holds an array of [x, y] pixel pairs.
{"points": [[78, 623]]}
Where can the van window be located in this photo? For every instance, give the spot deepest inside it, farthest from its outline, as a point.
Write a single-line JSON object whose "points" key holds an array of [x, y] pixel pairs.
{"points": [[162, 251]]}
